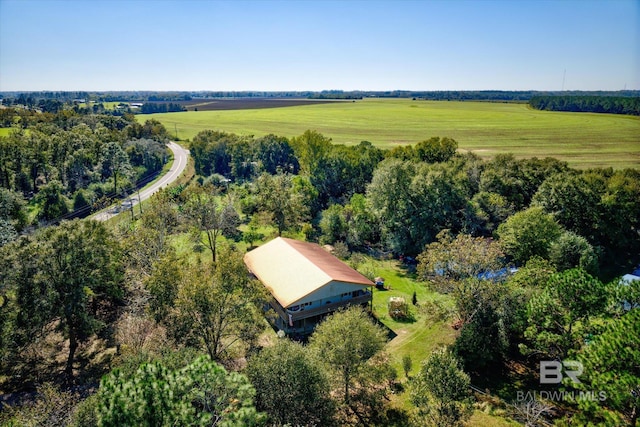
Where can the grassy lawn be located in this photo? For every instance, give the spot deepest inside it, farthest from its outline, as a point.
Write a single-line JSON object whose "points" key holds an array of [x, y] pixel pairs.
{"points": [[418, 338], [582, 139]]}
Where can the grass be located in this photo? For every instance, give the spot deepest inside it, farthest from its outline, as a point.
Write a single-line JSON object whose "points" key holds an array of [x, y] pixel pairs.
{"points": [[419, 337], [7, 131], [582, 139]]}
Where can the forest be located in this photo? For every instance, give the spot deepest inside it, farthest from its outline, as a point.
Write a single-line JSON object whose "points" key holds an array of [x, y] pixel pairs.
{"points": [[588, 104], [155, 321]]}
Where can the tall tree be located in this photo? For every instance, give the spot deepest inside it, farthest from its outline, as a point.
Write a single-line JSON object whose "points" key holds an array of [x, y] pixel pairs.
{"points": [[558, 317], [278, 197], [290, 386], [450, 260], [208, 219], [218, 309], [441, 392], [436, 149], [528, 233], [115, 163], [346, 341], [612, 368], [202, 393], [73, 277]]}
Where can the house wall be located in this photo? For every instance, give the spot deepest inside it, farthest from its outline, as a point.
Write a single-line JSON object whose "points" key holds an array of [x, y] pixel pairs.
{"points": [[332, 292]]}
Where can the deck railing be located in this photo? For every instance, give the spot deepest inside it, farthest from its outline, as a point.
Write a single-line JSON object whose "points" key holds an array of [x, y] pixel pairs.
{"points": [[326, 308]]}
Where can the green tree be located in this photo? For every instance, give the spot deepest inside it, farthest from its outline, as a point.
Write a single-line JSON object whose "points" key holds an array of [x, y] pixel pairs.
{"points": [[435, 149], [208, 219], [72, 277], [51, 201], [441, 392], [612, 366], [311, 149], [558, 317], [450, 260], [528, 233], [277, 197], [414, 201], [114, 163], [571, 250], [275, 153], [290, 386], [332, 224], [346, 341], [12, 209], [200, 394], [573, 199], [218, 309], [165, 274]]}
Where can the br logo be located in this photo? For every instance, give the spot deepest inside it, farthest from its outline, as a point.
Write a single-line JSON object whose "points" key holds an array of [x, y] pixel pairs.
{"points": [[551, 371]]}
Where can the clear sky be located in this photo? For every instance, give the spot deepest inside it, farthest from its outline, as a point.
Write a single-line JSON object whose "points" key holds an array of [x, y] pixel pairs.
{"points": [[315, 45]]}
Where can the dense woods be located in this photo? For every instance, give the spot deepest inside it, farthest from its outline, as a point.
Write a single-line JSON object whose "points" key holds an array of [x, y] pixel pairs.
{"points": [[588, 104], [102, 321], [63, 162]]}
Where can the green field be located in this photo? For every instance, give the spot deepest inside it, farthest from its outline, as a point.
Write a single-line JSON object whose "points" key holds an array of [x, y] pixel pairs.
{"points": [[582, 139]]}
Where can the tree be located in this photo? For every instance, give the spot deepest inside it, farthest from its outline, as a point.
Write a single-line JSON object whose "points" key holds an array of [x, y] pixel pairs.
{"points": [[51, 201], [275, 153], [114, 163], [12, 209], [346, 341], [571, 250], [558, 317], [414, 201], [332, 224], [528, 233], [440, 391], [435, 149], [72, 277], [218, 309], [290, 386], [311, 148], [277, 197], [200, 394], [574, 200], [612, 367], [450, 260], [208, 220]]}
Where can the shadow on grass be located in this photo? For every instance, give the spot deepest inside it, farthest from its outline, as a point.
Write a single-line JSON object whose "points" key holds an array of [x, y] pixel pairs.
{"points": [[390, 334]]}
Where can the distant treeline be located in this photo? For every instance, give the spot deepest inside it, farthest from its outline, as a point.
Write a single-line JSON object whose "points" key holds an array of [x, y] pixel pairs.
{"points": [[588, 104], [32, 98], [156, 107]]}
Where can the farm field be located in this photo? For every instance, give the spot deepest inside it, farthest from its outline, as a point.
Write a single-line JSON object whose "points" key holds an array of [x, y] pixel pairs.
{"points": [[582, 139]]}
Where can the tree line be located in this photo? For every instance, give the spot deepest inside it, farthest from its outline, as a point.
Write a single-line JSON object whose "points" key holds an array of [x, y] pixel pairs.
{"points": [[161, 107], [588, 104], [32, 98], [400, 199], [63, 162]]}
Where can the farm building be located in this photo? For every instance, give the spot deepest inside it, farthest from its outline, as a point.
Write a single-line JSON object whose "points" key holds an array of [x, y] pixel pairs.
{"points": [[306, 283]]}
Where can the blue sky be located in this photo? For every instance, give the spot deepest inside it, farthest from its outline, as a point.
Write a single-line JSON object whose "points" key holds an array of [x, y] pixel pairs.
{"points": [[316, 45]]}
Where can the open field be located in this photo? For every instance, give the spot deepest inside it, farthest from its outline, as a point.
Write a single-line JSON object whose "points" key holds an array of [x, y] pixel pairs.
{"points": [[583, 139]]}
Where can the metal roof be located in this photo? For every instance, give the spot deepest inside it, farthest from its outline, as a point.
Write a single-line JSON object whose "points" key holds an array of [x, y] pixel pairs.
{"points": [[292, 269]]}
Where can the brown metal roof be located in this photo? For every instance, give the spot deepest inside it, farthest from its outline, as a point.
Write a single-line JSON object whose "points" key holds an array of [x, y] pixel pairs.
{"points": [[292, 269]]}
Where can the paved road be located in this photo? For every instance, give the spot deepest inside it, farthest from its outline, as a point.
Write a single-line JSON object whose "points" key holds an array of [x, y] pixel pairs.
{"points": [[180, 157]]}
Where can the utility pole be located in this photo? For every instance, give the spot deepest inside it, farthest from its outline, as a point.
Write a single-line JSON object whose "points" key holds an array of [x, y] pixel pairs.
{"points": [[139, 201]]}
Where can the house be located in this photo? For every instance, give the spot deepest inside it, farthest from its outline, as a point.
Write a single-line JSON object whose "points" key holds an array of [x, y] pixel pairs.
{"points": [[306, 283]]}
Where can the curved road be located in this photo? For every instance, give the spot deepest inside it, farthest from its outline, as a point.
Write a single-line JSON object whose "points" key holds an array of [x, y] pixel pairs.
{"points": [[180, 157]]}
